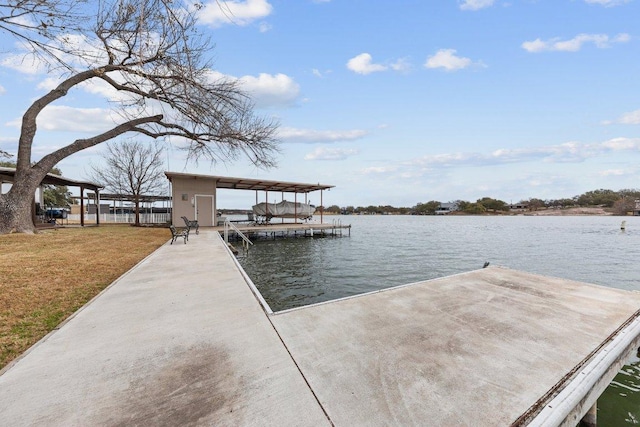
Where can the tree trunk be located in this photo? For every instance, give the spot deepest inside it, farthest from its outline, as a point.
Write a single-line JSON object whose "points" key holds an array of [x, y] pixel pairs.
{"points": [[137, 210], [16, 209]]}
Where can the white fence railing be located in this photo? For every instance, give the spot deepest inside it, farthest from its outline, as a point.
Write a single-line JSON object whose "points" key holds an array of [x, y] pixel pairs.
{"points": [[145, 218]]}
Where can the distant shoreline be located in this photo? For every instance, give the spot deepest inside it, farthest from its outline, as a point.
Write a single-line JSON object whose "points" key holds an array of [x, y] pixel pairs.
{"points": [[579, 211], [569, 212]]}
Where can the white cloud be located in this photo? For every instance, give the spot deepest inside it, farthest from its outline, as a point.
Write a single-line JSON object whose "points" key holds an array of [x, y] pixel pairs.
{"points": [[289, 134], [24, 63], [266, 90], [269, 90], [447, 59], [475, 4], [362, 64], [2, 90], [379, 170], [607, 3], [622, 144], [83, 52], [323, 153], [402, 65], [630, 118], [569, 152], [264, 27], [601, 41], [320, 74], [612, 172], [218, 13], [69, 119]]}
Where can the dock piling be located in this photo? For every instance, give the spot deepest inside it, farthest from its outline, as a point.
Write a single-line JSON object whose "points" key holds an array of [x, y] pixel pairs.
{"points": [[590, 419]]}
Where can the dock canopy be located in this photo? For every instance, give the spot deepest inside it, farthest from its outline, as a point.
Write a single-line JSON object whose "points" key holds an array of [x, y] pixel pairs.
{"points": [[253, 184], [195, 196]]}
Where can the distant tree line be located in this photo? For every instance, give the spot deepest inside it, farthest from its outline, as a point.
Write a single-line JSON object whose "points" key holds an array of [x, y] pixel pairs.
{"points": [[619, 202]]}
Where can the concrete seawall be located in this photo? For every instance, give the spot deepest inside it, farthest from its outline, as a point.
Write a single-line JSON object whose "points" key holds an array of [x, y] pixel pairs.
{"points": [[181, 340]]}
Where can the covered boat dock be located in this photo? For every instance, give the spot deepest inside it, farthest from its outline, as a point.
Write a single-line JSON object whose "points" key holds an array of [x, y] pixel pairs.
{"points": [[195, 196]]}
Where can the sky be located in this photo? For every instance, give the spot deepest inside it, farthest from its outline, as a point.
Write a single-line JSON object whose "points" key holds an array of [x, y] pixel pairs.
{"points": [[407, 101]]}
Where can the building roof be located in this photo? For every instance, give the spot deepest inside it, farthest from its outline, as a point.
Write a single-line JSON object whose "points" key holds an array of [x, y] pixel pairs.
{"points": [[8, 174], [252, 184]]}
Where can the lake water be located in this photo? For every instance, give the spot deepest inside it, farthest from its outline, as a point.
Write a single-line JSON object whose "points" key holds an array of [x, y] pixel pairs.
{"points": [[386, 251]]}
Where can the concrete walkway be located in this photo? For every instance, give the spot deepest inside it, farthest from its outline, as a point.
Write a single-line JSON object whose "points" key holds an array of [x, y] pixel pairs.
{"points": [[178, 340], [181, 340]]}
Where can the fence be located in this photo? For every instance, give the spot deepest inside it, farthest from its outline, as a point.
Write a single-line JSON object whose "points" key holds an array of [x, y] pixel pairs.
{"points": [[127, 218]]}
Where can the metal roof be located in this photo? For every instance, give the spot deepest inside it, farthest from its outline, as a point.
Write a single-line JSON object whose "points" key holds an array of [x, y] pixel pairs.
{"points": [[252, 184], [52, 179]]}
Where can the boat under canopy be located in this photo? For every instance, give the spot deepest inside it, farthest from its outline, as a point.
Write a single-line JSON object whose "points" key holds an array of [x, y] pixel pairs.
{"points": [[284, 209]]}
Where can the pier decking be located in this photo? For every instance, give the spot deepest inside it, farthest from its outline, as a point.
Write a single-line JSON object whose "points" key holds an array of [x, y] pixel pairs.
{"points": [[290, 229], [182, 339]]}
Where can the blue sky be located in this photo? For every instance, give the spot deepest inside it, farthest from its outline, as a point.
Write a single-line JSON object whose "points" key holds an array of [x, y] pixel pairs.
{"points": [[400, 102]]}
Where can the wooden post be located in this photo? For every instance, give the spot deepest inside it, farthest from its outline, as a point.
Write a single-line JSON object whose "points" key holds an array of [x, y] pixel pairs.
{"points": [[98, 210], [321, 207], [81, 206], [590, 419]]}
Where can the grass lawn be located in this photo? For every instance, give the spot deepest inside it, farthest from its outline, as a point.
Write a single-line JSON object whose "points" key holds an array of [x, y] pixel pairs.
{"points": [[46, 277]]}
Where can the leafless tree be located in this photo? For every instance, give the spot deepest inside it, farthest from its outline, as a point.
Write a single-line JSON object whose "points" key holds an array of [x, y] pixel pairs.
{"points": [[132, 169], [151, 55]]}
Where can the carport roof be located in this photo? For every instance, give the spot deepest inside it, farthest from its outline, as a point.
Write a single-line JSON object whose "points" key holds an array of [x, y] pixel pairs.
{"points": [[252, 184], [9, 173]]}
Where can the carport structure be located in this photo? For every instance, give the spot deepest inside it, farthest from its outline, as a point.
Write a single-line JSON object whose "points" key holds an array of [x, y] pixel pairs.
{"points": [[7, 175], [195, 196]]}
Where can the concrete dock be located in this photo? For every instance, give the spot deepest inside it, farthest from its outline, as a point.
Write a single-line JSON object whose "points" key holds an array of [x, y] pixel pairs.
{"points": [[182, 339]]}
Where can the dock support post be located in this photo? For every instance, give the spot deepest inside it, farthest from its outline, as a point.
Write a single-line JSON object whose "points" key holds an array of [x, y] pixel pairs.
{"points": [[590, 419]]}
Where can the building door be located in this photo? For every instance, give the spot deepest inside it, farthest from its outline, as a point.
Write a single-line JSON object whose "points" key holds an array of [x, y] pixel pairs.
{"points": [[204, 210]]}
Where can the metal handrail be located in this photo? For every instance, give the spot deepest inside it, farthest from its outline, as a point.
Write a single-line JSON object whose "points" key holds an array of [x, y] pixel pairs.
{"points": [[245, 239]]}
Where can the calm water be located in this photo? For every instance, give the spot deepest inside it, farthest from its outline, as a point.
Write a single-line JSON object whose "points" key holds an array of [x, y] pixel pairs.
{"points": [[385, 251]]}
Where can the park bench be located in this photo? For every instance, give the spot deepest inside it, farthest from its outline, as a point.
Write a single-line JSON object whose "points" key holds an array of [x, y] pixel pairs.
{"points": [[175, 233], [191, 224]]}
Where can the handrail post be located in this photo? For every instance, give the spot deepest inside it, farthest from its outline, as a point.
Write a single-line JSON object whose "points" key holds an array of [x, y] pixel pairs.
{"points": [[228, 224]]}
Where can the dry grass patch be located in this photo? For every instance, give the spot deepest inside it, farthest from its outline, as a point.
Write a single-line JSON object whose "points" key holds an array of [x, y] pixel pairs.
{"points": [[46, 277]]}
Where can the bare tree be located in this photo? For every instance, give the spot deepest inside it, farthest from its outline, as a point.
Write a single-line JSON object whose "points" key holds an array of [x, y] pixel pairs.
{"points": [[151, 55], [38, 24], [132, 169]]}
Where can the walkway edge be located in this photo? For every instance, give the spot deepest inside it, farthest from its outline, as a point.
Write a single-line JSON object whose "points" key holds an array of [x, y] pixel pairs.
{"points": [[75, 313]]}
